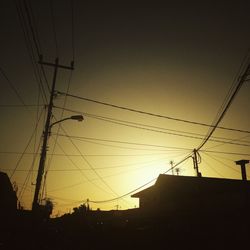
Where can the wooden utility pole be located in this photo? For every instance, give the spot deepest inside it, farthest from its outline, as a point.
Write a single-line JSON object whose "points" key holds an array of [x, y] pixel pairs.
{"points": [[195, 161], [56, 65]]}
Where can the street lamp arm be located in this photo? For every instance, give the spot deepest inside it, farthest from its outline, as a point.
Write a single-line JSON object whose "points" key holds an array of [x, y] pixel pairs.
{"points": [[73, 117], [52, 124]]}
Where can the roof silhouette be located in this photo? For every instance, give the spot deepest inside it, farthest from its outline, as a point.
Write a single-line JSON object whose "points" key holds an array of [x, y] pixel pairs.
{"points": [[194, 195]]}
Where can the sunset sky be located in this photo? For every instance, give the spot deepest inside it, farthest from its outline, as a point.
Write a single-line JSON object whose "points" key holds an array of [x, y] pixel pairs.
{"points": [[176, 60]]}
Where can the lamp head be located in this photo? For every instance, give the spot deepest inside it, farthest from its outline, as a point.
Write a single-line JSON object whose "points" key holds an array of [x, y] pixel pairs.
{"points": [[77, 117]]}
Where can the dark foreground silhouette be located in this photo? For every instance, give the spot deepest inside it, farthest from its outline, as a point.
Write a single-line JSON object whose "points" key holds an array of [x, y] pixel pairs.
{"points": [[175, 213], [126, 230]]}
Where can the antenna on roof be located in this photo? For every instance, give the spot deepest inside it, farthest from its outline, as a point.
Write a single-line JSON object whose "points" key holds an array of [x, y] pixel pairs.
{"points": [[177, 170], [172, 165]]}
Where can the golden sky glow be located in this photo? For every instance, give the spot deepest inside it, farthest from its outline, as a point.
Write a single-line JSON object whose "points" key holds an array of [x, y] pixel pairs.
{"points": [[142, 57]]}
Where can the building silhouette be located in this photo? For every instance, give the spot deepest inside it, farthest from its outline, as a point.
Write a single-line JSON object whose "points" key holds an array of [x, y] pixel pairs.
{"points": [[198, 207], [7, 196], [193, 195]]}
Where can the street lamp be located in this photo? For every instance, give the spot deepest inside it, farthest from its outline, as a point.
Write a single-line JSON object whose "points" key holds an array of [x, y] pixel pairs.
{"points": [[48, 126]]}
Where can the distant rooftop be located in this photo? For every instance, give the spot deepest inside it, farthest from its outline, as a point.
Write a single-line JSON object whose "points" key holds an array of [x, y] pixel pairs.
{"points": [[184, 183]]}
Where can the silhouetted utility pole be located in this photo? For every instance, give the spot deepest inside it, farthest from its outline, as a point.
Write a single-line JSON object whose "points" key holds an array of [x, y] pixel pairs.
{"points": [[56, 65], [242, 164], [195, 161]]}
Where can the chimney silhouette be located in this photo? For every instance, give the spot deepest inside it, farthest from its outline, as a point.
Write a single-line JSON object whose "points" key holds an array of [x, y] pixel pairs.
{"points": [[242, 164]]}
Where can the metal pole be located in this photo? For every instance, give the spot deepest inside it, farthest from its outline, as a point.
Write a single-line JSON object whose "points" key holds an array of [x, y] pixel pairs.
{"points": [[35, 204]]}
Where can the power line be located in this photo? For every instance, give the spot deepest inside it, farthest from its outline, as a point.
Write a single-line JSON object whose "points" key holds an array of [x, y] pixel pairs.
{"points": [[142, 144], [72, 29], [79, 183], [24, 186], [225, 153], [213, 169], [151, 128], [97, 168], [231, 141], [90, 155], [87, 162], [55, 65], [223, 143], [122, 142], [90, 165], [70, 77], [37, 38], [19, 106], [233, 85], [29, 47], [53, 25], [80, 169], [149, 113], [32, 28], [142, 186], [66, 187], [59, 126], [34, 36], [227, 105], [124, 122], [12, 87], [94, 141], [121, 147], [20, 158], [148, 128], [71, 72], [221, 162]]}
